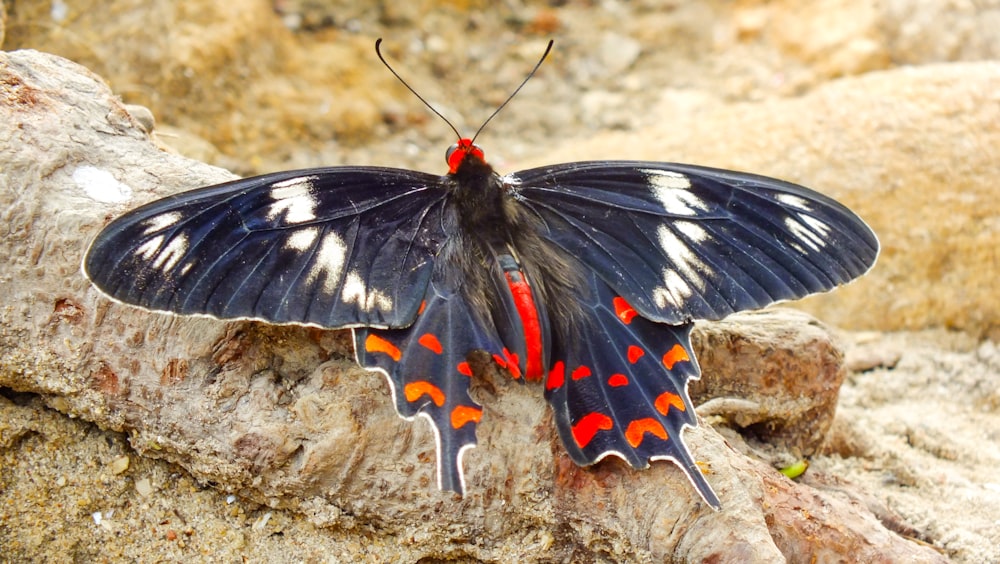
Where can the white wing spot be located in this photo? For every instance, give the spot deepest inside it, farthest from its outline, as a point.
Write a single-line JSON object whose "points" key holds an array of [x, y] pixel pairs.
{"points": [[672, 189], [148, 249], [161, 222], [329, 262], [692, 231], [674, 291], [293, 198], [817, 225], [168, 258], [804, 234], [794, 202], [302, 240], [686, 268], [355, 291]]}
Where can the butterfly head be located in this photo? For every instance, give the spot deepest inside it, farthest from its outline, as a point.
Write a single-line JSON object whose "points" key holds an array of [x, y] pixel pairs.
{"points": [[458, 152]]}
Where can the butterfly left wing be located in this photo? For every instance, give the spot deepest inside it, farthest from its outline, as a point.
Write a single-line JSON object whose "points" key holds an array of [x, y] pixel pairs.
{"points": [[428, 371], [627, 397], [329, 247], [685, 242]]}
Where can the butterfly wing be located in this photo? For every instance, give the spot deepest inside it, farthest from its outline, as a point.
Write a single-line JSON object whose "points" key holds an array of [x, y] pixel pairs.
{"points": [[684, 242], [628, 396], [427, 368], [330, 247]]}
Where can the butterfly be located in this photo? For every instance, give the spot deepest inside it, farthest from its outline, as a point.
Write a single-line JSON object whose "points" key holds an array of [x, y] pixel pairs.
{"points": [[585, 277]]}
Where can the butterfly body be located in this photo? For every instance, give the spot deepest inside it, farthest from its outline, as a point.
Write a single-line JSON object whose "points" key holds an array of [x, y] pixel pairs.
{"points": [[586, 276]]}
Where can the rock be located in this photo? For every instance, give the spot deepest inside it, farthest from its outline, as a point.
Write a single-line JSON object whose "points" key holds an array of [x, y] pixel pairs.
{"points": [[281, 415]]}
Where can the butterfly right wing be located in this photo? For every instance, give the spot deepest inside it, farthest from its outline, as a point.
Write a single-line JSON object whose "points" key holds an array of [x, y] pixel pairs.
{"points": [[327, 247]]}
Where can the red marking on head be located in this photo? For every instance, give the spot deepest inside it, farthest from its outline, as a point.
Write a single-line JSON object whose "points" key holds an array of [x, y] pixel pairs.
{"points": [[666, 400], [431, 342], [635, 353], [464, 368], [624, 310], [557, 376], [580, 372], [374, 344], [617, 380], [462, 414], [423, 306], [414, 390], [459, 151], [588, 426], [675, 355], [638, 428]]}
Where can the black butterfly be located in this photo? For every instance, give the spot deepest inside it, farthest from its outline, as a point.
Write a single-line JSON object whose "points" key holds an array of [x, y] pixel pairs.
{"points": [[585, 275]]}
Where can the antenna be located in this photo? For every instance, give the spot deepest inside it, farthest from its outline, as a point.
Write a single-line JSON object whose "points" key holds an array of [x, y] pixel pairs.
{"points": [[378, 51]]}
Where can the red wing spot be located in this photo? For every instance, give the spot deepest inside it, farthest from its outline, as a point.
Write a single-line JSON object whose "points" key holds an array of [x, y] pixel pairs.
{"points": [[374, 344], [624, 310], [431, 342], [500, 361], [635, 353], [584, 431], [557, 376], [638, 428], [666, 400], [415, 390], [675, 355], [423, 306], [581, 372], [462, 414], [513, 364], [617, 380], [464, 368]]}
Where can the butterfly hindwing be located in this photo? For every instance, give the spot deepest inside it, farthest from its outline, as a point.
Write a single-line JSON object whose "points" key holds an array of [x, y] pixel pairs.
{"points": [[428, 371], [684, 242], [333, 247], [620, 387]]}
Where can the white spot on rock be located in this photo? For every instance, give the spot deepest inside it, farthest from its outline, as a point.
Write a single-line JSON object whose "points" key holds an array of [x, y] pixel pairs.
{"points": [[99, 185], [293, 199]]}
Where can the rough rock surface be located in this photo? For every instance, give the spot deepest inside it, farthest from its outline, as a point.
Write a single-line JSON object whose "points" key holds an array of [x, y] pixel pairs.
{"points": [[279, 416]]}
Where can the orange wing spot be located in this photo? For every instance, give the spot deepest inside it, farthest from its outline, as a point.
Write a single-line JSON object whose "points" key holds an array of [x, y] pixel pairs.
{"points": [[580, 372], [635, 353], [431, 342], [415, 390], [374, 344], [462, 414], [617, 380], [501, 361], [423, 306], [513, 363], [584, 431], [638, 428], [557, 376], [666, 400], [464, 368], [675, 355], [624, 310]]}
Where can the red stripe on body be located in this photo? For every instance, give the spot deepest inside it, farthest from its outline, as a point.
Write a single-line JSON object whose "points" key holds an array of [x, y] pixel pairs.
{"points": [[524, 301]]}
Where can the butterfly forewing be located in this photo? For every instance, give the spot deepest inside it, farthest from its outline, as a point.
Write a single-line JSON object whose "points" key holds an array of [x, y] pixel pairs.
{"points": [[327, 247], [683, 242]]}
